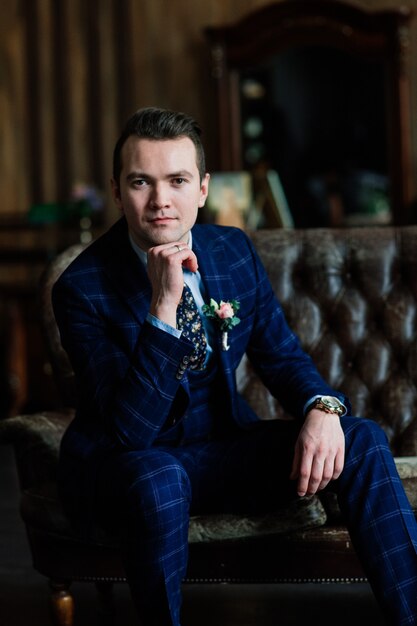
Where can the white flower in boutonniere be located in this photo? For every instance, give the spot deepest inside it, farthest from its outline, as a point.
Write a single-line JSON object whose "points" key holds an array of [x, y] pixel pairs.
{"points": [[224, 314]]}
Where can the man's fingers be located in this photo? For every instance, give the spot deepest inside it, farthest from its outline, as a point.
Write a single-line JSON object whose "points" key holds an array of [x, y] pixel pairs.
{"points": [[323, 472], [314, 477], [319, 453], [328, 473], [183, 254], [339, 463], [304, 474], [314, 473], [165, 271]]}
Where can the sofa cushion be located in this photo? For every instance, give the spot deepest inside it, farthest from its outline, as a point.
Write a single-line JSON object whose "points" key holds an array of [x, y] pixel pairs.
{"points": [[40, 508], [300, 514], [36, 439]]}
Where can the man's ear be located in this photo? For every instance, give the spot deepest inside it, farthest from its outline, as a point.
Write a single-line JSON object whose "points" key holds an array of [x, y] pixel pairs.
{"points": [[115, 189], [204, 190]]}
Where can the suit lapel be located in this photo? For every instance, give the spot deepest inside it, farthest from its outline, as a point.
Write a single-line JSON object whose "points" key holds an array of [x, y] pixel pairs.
{"points": [[213, 266], [215, 274]]}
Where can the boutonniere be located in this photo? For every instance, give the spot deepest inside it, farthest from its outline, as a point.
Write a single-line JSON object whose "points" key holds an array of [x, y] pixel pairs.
{"points": [[224, 315]]}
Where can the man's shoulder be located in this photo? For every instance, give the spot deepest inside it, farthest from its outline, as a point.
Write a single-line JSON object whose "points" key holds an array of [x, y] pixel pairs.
{"points": [[97, 254], [210, 234]]}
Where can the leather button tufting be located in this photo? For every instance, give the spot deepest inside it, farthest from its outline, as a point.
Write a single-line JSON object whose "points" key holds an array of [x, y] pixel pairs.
{"points": [[351, 297]]}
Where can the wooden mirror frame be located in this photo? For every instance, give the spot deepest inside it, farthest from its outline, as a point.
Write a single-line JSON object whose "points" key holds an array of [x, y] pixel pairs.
{"points": [[379, 36]]}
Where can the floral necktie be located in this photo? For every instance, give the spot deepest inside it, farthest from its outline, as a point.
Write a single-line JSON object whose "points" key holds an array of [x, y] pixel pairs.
{"points": [[190, 323]]}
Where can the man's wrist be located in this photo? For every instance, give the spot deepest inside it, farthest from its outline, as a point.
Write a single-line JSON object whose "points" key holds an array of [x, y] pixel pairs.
{"points": [[327, 404]]}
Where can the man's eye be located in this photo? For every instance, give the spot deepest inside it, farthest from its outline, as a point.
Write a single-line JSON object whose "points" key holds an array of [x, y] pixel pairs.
{"points": [[139, 182], [179, 180]]}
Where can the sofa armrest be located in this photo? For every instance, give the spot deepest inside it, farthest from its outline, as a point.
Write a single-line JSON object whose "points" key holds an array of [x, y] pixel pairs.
{"points": [[36, 439], [407, 470]]}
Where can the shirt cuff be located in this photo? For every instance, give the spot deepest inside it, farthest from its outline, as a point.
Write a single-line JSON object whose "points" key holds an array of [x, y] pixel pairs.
{"points": [[163, 326]]}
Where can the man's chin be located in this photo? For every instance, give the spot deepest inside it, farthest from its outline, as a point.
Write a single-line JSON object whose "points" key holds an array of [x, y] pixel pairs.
{"points": [[163, 236]]}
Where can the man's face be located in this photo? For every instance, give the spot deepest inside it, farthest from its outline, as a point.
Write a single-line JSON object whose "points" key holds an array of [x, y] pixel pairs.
{"points": [[160, 190]]}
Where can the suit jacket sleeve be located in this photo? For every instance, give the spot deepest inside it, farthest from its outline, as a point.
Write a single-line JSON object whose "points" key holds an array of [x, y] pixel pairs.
{"points": [[127, 372], [276, 354]]}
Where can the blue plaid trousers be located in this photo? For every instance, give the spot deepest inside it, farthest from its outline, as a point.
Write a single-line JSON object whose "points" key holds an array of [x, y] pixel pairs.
{"points": [[154, 491]]}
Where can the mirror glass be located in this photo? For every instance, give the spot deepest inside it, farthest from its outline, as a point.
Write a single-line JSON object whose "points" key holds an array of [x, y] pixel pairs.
{"points": [[317, 116]]}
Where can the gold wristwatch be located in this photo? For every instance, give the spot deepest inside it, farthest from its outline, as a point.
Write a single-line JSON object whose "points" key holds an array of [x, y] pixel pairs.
{"points": [[328, 404]]}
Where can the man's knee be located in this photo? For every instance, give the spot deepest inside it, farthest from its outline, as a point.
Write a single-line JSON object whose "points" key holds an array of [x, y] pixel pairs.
{"points": [[364, 431], [153, 481], [365, 440]]}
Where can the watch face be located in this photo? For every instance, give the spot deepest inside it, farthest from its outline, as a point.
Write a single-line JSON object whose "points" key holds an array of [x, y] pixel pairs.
{"points": [[331, 402]]}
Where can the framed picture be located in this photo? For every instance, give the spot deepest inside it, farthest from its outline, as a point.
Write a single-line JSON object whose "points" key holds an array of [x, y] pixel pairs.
{"points": [[275, 206], [230, 200]]}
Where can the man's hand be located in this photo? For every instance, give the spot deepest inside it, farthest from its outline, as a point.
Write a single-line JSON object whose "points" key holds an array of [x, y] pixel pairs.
{"points": [[165, 264], [319, 452]]}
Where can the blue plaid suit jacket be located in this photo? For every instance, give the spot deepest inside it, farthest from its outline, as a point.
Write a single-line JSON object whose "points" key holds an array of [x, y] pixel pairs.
{"points": [[127, 370]]}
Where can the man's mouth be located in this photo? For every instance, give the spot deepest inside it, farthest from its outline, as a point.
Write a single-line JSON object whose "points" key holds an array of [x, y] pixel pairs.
{"points": [[162, 220]]}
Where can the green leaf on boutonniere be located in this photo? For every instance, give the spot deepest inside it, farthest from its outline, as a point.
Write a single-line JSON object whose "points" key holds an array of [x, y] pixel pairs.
{"points": [[223, 313]]}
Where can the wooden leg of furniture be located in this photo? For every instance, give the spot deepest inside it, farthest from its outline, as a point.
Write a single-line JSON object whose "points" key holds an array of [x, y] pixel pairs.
{"points": [[61, 604]]}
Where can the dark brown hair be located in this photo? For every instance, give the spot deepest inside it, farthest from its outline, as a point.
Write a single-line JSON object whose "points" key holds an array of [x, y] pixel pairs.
{"points": [[159, 124]]}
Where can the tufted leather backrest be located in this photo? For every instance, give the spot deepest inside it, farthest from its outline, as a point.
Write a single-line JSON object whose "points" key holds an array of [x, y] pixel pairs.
{"points": [[351, 296]]}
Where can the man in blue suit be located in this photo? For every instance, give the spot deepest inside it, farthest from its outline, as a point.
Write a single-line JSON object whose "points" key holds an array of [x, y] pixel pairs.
{"points": [[161, 431]]}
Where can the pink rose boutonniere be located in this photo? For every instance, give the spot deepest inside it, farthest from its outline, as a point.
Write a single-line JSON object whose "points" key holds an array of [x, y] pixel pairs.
{"points": [[225, 315]]}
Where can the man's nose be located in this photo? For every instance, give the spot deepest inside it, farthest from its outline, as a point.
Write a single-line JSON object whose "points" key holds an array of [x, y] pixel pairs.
{"points": [[160, 196]]}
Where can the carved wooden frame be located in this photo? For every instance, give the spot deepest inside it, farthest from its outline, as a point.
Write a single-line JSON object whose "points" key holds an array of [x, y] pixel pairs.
{"points": [[381, 35]]}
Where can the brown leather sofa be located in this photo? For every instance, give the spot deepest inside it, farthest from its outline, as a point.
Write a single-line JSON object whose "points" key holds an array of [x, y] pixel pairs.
{"points": [[351, 295]]}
